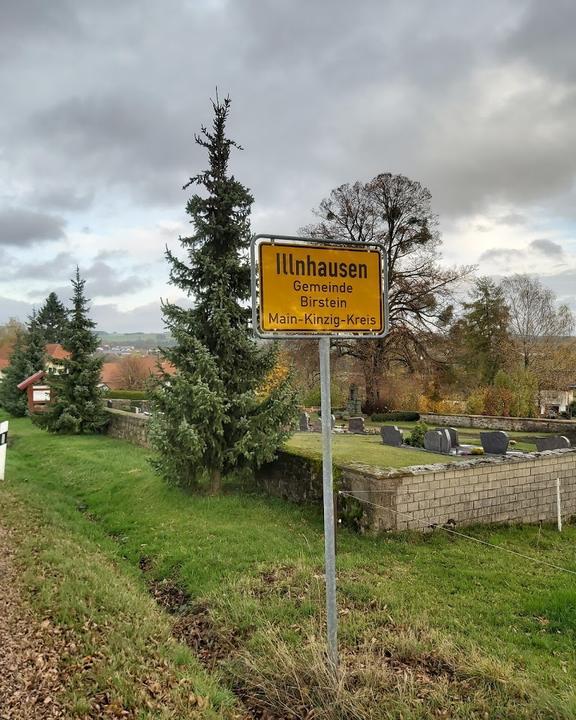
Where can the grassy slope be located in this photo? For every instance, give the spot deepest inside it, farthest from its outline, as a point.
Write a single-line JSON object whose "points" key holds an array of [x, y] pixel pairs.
{"points": [[507, 627]]}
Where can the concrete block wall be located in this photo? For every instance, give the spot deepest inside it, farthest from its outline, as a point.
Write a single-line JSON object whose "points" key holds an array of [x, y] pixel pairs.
{"points": [[511, 424], [128, 426], [511, 490]]}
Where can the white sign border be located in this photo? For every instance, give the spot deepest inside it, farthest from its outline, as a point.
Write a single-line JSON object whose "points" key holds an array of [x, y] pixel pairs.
{"points": [[311, 334]]}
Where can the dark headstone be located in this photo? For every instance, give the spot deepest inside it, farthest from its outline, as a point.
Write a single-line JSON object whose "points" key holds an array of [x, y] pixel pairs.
{"points": [[552, 442], [304, 422], [356, 425], [495, 443], [353, 404], [391, 435], [438, 441], [454, 440]]}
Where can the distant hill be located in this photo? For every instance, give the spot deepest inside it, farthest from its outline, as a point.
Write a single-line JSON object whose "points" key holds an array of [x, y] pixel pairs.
{"points": [[139, 340]]}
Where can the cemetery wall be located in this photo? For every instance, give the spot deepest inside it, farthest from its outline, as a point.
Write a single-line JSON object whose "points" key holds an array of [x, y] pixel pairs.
{"points": [[488, 490], [518, 489], [493, 422], [128, 426], [292, 477]]}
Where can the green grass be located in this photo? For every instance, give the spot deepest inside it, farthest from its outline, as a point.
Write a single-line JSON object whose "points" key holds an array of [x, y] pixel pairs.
{"points": [[366, 449], [525, 441], [429, 624]]}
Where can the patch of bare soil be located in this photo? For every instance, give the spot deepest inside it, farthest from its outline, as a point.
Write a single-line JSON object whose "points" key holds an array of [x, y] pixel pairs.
{"points": [[31, 676]]}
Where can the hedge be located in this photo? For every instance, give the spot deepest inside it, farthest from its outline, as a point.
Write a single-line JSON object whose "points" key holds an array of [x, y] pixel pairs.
{"points": [[400, 416], [126, 394]]}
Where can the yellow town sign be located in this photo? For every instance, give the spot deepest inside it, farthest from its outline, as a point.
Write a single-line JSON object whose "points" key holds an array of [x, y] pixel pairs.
{"points": [[320, 289]]}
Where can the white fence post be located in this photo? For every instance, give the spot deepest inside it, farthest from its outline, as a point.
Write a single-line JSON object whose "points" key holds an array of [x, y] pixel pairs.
{"points": [[558, 505], [3, 447]]}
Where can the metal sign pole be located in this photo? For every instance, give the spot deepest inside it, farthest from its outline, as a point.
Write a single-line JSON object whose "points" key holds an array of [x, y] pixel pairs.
{"points": [[310, 287], [3, 447], [328, 492]]}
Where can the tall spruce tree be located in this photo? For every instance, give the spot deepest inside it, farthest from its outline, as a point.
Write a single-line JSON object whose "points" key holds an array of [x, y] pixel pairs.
{"points": [[53, 319], [210, 418], [27, 357], [77, 399]]}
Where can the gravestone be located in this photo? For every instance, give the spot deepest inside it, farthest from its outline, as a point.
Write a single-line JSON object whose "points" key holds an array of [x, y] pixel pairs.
{"points": [[356, 425], [553, 442], [333, 421], [391, 435], [454, 440], [438, 441], [495, 443], [353, 404], [304, 422]]}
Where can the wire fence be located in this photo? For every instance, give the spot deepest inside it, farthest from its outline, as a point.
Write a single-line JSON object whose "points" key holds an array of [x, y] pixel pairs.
{"points": [[428, 524]]}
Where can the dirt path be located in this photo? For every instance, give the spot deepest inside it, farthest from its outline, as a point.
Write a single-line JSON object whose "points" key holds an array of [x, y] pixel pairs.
{"points": [[30, 678]]}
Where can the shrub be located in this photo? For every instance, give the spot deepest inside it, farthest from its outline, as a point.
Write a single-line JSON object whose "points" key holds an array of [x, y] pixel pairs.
{"points": [[497, 401], [400, 416], [416, 437], [475, 402], [311, 398], [372, 407]]}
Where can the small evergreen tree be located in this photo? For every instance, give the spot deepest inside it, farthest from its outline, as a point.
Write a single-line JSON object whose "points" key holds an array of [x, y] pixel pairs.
{"points": [[76, 406], [53, 319], [209, 418], [483, 330], [12, 399], [27, 357]]}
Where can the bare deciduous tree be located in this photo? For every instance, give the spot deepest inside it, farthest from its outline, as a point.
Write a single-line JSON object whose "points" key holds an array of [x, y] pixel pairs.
{"points": [[536, 321], [396, 212]]}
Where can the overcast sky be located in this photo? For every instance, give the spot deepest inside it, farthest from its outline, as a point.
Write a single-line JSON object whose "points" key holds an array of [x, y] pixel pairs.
{"points": [[100, 102]]}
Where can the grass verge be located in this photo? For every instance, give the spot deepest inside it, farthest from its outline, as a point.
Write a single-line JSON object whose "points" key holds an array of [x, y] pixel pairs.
{"points": [[429, 626], [120, 657]]}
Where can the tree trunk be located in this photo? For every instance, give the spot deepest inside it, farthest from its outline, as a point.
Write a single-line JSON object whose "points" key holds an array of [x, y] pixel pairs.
{"points": [[215, 482], [372, 367], [372, 392]]}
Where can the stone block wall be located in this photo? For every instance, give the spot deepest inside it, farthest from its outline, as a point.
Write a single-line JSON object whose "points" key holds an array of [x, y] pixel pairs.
{"points": [[292, 477], [510, 490], [128, 426], [513, 424]]}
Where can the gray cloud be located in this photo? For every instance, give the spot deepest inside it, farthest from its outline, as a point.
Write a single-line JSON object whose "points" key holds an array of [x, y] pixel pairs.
{"points": [[545, 38], [547, 247], [10, 308], [500, 255], [22, 227], [103, 279], [58, 266], [512, 219], [144, 318], [310, 102], [64, 198], [540, 246], [475, 100]]}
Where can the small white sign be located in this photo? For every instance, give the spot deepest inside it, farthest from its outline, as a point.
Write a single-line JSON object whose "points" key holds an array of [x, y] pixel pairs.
{"points": [[3, 447], [40, 394]]}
